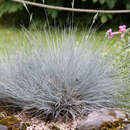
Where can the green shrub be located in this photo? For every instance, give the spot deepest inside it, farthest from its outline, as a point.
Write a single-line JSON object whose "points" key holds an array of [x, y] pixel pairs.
{"points": [[9, 7]]}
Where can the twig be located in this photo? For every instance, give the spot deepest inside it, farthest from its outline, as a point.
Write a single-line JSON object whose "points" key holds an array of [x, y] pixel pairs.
{"points": [[71, 9]]}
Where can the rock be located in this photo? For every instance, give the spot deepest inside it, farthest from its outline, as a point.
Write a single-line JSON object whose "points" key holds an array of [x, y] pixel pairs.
{"points": [[127, 127], [97, 118], [3, 127]]}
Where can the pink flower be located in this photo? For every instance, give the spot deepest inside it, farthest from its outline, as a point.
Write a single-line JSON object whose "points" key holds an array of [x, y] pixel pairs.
{"points": [[111, 34], [109, 30], [115, 33], [122, 28]]}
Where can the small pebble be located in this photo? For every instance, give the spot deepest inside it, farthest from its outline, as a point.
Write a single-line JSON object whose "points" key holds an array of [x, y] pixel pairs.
{"points": [[3, 127]]}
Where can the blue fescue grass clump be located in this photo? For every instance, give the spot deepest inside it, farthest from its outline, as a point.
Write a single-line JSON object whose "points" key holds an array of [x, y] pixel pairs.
{"points": [[59, 77]]}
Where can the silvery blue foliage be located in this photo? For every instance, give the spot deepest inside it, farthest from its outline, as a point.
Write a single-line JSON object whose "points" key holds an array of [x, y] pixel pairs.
{"points": [[58, 77]]}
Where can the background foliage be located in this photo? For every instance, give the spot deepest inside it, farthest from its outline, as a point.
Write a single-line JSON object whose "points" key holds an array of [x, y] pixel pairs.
{"points": [[8, 8]]}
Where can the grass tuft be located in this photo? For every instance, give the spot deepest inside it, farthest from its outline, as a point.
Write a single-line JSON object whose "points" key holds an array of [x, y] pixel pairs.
{"points": [[59, 76]]}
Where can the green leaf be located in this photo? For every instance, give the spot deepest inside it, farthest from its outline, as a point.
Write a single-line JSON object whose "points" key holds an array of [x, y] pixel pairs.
{"points": [[128, 5], [54, 14], [1, 1], [94, 1], [102, 1], [109, 16], [9, 7], [84, 0], [104, 19], [111, 3]]}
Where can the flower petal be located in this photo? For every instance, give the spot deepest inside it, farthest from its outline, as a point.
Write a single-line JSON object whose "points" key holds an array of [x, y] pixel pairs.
{"points": [[122, 28]]}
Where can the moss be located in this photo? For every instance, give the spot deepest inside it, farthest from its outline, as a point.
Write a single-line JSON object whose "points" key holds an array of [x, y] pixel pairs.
{"points": [[115, 125], [11, 121]]}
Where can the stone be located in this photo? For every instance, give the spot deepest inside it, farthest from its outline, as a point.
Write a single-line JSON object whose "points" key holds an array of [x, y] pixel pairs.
{"points": [[127, 127], [96, 119], [3, 127]]}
